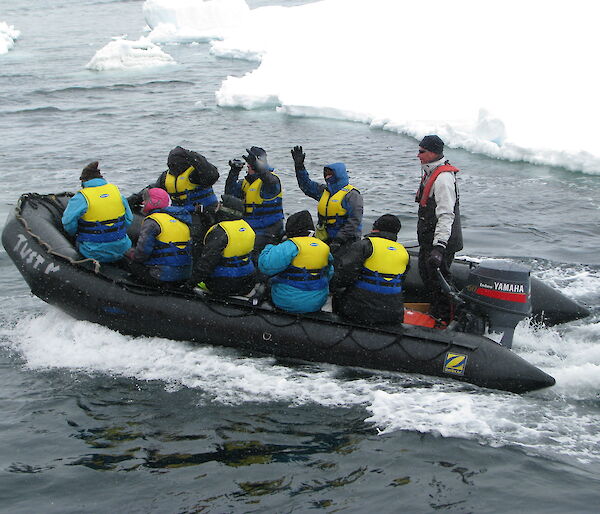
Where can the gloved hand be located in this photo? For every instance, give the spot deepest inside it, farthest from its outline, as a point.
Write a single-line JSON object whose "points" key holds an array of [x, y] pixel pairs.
{"points": [[257, 162], [232, 205], [298, 155], [236, 164], [207, 219], [135, 201], [334, 246], [436, 256]]}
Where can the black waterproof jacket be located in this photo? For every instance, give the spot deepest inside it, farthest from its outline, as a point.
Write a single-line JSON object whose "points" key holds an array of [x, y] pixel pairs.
{"points": [[358, 304]]}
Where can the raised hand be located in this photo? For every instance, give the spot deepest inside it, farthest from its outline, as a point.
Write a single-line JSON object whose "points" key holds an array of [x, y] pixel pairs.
{"points": [[257, 159], [236, 164], [298, 155]]}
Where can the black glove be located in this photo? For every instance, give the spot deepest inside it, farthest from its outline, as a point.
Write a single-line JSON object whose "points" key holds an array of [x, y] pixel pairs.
{"points": [[334, 246], [236, 164], [298, 155], [257, 162], [435, 257], [135, 201]]}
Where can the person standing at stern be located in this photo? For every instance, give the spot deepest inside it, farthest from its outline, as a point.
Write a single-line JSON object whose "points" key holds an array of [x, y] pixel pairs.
{"points": [[439, 230]]}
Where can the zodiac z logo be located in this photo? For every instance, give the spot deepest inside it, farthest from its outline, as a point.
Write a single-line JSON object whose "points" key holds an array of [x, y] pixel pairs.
{"points": [[455, 363]]}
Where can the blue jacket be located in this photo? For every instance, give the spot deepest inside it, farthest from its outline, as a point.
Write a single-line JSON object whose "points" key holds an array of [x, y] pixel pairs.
{"points": [[102, 252], [352, 202], [275, 259], [147, 241]]}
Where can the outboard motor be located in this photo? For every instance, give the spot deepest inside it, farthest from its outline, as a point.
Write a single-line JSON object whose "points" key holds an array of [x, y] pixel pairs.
{"points": [[498, 291]]}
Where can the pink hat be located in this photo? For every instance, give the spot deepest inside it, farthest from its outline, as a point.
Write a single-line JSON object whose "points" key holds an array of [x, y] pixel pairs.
{"points": [[155, 198]]}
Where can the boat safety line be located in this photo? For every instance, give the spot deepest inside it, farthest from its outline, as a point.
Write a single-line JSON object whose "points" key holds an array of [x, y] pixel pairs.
{"points": [[40, 241]]}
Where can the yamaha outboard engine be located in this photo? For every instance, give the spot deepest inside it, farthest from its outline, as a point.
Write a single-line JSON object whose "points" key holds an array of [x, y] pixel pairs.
{"points": [[498, 291]]}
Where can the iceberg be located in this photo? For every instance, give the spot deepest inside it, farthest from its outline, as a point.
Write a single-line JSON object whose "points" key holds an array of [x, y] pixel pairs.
{"points": [[8, 36], [122, 54], [509, 89]]}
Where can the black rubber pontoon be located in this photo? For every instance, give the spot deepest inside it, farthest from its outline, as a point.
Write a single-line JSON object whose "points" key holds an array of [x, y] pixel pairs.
{"points": [[105, 294]]}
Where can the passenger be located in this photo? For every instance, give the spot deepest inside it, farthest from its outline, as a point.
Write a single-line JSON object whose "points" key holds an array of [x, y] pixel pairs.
{"points": [[367, 284], [262, 194], [188, 180], [300, 267], [438, 228], [163, 251], [340, 206], [99, 215], [225, 265]]}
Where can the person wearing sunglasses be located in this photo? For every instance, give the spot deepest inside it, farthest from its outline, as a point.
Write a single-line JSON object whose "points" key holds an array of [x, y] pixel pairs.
{"points": [[439, 230]]}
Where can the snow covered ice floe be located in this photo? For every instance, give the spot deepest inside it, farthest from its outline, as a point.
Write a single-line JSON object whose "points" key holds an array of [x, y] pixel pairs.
{"points": [[8, 36], [510, 89], [180, 21], [122, 54]]}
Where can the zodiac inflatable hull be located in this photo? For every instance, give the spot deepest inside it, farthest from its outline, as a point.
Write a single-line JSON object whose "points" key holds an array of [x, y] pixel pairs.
{"points": [[106, 294]]}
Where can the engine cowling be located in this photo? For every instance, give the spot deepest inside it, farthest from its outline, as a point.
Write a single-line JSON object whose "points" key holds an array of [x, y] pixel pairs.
{"points": [[499, 292]]}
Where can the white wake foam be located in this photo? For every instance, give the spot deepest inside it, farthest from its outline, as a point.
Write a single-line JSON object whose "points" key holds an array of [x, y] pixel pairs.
{"points": [[546, 422]]}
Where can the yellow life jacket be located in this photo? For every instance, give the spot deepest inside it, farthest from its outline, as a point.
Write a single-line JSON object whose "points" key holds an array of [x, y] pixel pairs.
{"points": [[179, 184], [185, 193], [307, 270], [104, 219], [104, 203], [313, 254], [173, 245], [240, 237], [383, 271], [330, 207], [331, 214], [258, 211], [236, 261], [172, 231]]}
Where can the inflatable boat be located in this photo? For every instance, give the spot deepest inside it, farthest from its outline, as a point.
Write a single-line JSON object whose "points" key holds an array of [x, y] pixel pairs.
{"points": [[491, 298]]}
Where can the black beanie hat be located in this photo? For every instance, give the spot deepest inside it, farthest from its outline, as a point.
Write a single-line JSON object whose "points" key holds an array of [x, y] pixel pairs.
{"points": [[90, 171], [179, 160], [388, 223], [432, 143], [299, 224], [257, 151]]}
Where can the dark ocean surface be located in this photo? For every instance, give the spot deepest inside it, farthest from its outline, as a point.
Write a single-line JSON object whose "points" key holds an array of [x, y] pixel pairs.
{"points": [[94, 421]]}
